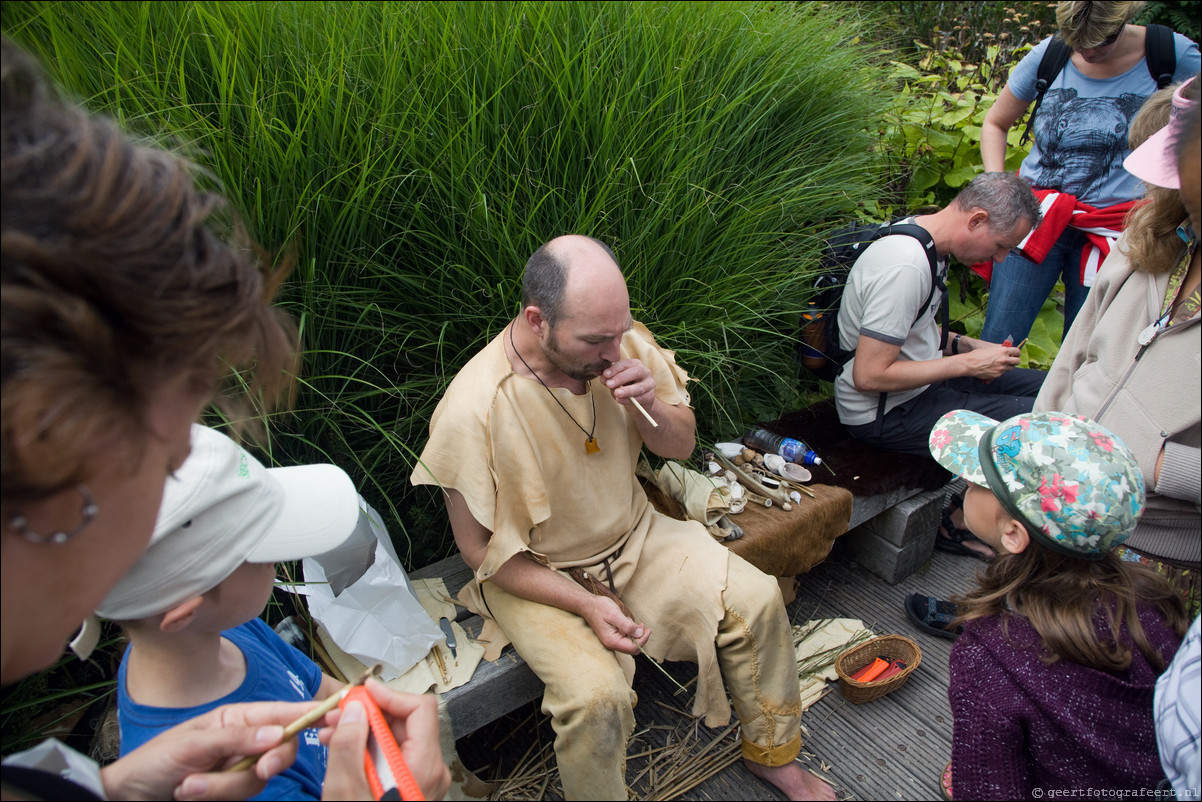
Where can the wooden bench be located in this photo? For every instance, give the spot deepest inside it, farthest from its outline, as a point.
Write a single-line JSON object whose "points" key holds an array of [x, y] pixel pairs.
{"points": [[496, 688], [888, 532]]}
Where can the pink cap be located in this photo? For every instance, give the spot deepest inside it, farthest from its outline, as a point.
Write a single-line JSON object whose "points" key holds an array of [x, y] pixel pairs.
{"points": [[1155, 161]]}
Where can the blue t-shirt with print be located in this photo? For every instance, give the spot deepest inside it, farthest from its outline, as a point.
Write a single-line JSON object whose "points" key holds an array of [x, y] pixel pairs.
{"points": [[275, 672], [1079, 139]]}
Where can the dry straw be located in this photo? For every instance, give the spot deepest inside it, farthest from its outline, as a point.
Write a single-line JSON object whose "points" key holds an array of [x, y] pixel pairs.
{"points": [[678, 762]]}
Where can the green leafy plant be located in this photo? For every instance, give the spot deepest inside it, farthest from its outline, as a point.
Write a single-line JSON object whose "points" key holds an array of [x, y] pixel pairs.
{"points": [[931, 132], [933, 127], [1184, 17]]}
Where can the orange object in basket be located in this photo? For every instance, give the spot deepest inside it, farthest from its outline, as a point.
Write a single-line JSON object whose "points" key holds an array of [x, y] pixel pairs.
{"points": [[871, 671]]}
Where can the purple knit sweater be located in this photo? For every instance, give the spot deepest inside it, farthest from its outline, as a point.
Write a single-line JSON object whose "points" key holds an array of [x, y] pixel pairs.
{"points": [[1019, 724]]}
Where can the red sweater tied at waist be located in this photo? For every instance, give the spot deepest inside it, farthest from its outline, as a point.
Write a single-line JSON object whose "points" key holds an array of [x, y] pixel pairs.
{"points": [[1061, 210]]}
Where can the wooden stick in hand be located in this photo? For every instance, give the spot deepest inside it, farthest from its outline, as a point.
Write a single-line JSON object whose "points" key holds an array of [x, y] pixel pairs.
{"points": [[312, 717], [646, 414]]}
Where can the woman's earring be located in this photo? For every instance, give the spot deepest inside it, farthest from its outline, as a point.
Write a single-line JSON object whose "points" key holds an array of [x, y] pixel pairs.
{"points": [[87, 512]]}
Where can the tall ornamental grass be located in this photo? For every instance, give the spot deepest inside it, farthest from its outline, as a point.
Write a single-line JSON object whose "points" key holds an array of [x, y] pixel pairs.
{"points": [[417, 153]]}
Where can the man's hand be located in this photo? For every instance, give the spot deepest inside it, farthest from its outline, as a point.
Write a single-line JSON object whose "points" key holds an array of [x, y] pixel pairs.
{"points": [[630, 378], [616, 631], [186, 761], [673, 435], [414, 722], [878, 367], [987, 361]]}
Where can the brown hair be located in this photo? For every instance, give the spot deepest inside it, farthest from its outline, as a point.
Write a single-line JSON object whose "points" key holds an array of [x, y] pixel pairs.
{"points": [[116, 280], [1186, 150], [1060, 595], [1150, 239], [1151, 242]]}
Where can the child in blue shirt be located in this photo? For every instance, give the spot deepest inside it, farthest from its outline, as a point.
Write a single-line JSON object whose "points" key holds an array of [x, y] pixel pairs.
{"points": [[190, 606]]}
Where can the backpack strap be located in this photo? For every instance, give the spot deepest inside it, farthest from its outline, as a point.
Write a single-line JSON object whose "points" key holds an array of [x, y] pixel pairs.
{"points": [[1053, 61], [928, 245], [1160, 52]]}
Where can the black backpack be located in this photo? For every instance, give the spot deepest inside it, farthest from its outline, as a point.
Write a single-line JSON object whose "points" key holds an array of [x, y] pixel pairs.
{"points": [[818, 350], [1160, 55]]}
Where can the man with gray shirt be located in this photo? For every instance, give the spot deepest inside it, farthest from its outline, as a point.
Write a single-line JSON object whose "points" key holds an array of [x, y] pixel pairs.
{"points": [[902, 378]]}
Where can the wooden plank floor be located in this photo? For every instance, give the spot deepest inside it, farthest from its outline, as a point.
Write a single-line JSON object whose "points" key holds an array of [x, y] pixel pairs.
{"points": [[891, 748]]}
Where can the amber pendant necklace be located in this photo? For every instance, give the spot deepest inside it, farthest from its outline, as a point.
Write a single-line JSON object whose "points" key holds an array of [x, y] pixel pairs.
{"points": [[590, 443]]}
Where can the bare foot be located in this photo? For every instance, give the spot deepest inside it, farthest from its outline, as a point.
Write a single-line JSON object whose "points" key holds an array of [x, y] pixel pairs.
{"points": [[792, 780]]}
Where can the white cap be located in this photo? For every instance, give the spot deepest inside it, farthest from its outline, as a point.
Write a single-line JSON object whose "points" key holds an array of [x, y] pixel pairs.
{"points": [[221, 509]]}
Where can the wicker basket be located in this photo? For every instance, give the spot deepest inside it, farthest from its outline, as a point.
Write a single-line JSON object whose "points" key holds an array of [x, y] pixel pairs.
{"points": [[888, 646]]}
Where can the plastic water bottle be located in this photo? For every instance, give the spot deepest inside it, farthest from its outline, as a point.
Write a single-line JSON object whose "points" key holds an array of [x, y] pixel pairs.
{"points": [[787, 447]]}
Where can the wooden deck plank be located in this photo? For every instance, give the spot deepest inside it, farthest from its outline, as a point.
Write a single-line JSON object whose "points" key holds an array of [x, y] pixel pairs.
{"points": [[864, 743]]}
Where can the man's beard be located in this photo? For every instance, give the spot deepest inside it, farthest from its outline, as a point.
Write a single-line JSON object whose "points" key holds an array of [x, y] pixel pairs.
{"points": [[569, 367]]}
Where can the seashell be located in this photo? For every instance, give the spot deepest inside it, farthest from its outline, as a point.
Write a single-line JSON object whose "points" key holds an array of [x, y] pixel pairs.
{"points": [[758, 459], [729, 450], [774, 463], [714, 468], [795, 497], [737, 490], [730, 477], [795, 472]]}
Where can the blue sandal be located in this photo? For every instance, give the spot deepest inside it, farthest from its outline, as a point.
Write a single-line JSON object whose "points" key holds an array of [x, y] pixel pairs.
{"points": [[932, 615]]}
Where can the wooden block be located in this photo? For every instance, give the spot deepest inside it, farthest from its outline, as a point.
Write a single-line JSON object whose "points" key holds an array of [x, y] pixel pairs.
{"points": [[890, 562], [914, 518], [897, 541]]}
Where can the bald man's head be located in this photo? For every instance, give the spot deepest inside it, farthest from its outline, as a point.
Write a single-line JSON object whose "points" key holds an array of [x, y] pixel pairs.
{"points": [[556, 264]]}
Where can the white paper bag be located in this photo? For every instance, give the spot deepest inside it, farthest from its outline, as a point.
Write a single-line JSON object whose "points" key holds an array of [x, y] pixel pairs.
{"points": [[361, 595]]}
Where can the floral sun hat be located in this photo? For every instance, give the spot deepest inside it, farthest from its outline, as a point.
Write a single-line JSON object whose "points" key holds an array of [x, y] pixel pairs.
{"points": [[1074, 484]]}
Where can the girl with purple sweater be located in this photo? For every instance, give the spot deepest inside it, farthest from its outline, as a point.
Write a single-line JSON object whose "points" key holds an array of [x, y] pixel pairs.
{"points": [[1051, 681]]}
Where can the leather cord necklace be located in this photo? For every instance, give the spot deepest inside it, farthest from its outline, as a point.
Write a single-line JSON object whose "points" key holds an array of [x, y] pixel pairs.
{"points": [[590, 444]]}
